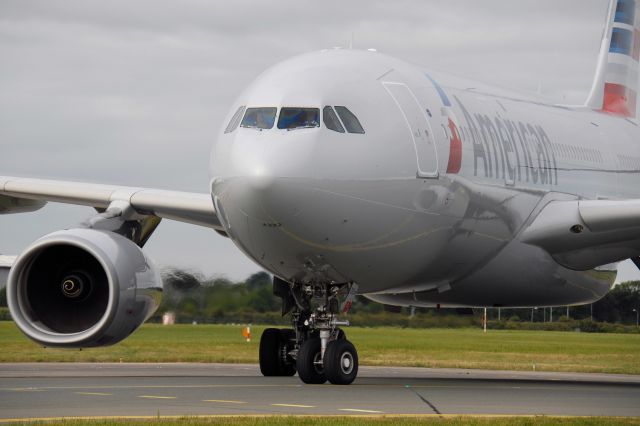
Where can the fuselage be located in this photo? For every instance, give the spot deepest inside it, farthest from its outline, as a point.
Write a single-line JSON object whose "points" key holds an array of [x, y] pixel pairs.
{"points": [[424, 207]]}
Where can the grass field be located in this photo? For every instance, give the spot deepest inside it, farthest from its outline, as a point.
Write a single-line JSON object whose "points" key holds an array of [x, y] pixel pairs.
{"points": [[457, 348], [361, 420]]}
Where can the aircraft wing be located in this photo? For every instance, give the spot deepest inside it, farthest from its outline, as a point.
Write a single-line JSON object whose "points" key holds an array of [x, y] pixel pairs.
{"points": [[584, 234], [21, 195]]}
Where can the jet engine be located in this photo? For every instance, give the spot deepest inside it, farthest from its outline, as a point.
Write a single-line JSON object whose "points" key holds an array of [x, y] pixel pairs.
{"points": [[82, 288]]}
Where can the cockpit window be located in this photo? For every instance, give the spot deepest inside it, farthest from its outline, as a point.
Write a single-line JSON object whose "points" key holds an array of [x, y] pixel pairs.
{"points": [[259, 118], [235, 120], [296, 118], [330, 120], [350, 121]]}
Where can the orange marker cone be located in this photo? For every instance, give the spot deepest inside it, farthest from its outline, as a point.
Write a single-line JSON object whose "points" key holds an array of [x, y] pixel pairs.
{"points": [[246, 333]]}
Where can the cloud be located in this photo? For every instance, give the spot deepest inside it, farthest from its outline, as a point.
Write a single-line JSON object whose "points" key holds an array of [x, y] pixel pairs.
{"points": [[134, 92]]}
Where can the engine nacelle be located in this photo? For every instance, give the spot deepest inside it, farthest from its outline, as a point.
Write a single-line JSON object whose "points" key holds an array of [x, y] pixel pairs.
{"points": [[82, 288]]}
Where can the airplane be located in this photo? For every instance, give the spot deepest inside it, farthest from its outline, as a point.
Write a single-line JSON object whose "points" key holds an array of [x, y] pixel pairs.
{"points": [[350, 172]]}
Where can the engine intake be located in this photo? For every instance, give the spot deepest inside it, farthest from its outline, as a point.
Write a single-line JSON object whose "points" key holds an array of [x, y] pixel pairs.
{"points": [[82, 288]]}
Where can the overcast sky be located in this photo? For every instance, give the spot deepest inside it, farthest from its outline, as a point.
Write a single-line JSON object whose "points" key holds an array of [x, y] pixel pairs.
{"points": [[133, 93]]}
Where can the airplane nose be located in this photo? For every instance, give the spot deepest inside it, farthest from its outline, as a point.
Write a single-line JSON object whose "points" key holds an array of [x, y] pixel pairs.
{"points": [[263, 184], [309, 207], [311, 230], [275, 221]]}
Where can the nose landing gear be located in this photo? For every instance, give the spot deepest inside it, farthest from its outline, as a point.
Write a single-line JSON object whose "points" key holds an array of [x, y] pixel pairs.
{"points": [[316, 347]]}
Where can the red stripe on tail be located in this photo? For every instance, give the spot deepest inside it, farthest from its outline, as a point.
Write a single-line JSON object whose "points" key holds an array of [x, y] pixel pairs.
{"points": [[619, 100]]}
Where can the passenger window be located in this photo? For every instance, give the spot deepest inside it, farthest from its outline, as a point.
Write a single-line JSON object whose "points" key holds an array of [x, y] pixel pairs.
{"points": [[259, 118], [330, 120], [350, 121], [235, 120], [298, 118]]}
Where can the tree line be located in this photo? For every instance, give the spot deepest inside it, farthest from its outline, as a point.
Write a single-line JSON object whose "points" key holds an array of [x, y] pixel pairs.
{"points": [[193, 297]]}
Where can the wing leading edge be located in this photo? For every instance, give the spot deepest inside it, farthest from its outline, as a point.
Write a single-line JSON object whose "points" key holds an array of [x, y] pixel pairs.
{"points": [[22, 194], [584, 234]]}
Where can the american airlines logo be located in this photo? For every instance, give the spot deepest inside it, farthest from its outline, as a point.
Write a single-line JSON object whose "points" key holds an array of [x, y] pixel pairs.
{"points": [[510, 150]]}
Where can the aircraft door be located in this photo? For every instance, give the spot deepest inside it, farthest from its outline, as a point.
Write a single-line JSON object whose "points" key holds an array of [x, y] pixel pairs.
{"points": [[418, 126]]}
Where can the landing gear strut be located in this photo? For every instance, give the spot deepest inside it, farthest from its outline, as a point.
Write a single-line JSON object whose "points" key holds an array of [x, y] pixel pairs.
{"points": [[316, 347]]}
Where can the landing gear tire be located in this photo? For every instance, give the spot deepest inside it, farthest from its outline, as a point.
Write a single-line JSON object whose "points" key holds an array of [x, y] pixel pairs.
{"points": [[309, 364], [340, 362], [287, 342], [269, 351], [274, 345]]}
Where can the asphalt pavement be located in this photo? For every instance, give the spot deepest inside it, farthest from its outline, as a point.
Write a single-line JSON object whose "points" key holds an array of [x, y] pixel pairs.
{"points": [[53, 390]]}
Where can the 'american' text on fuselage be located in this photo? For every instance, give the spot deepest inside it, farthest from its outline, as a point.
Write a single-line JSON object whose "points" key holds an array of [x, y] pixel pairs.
{"points": [[510, 150]]}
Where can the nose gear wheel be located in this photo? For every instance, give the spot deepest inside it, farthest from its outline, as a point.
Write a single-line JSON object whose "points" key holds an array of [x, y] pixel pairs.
{"points": [[341, 362], [274, 352], [309, 362]]}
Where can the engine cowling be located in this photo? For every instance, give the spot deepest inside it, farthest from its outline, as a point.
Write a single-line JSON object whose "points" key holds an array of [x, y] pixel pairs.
{"points": [[82, 288]]}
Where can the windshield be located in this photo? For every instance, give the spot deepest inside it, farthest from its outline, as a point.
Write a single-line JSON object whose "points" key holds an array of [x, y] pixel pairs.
{"points": [[259, 118], [331, 120], [295, 118], [235, 120], [350, 120]]}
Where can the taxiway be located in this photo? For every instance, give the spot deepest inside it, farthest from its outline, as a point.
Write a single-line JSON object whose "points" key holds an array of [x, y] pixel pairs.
{"points": [[51, 390]]}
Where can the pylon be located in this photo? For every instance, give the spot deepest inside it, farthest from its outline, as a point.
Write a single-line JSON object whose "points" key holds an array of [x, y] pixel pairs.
{"points": [[246, 333]]}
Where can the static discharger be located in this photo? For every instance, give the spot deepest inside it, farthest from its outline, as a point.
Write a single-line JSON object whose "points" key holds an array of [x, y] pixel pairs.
{"points": [[246, 333]]}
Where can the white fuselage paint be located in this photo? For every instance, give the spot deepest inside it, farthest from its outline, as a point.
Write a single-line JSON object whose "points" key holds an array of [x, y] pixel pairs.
{"points": [[390, 210]]}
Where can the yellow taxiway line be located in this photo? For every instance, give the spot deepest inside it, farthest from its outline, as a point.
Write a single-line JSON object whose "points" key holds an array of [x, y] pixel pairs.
{"points": [[224, 401], [294, 405], [157, 397], [94, 393]]}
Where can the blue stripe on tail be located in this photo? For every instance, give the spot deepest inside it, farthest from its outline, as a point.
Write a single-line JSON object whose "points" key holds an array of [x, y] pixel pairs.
{"points": [[625, 12], [621, 41]]}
